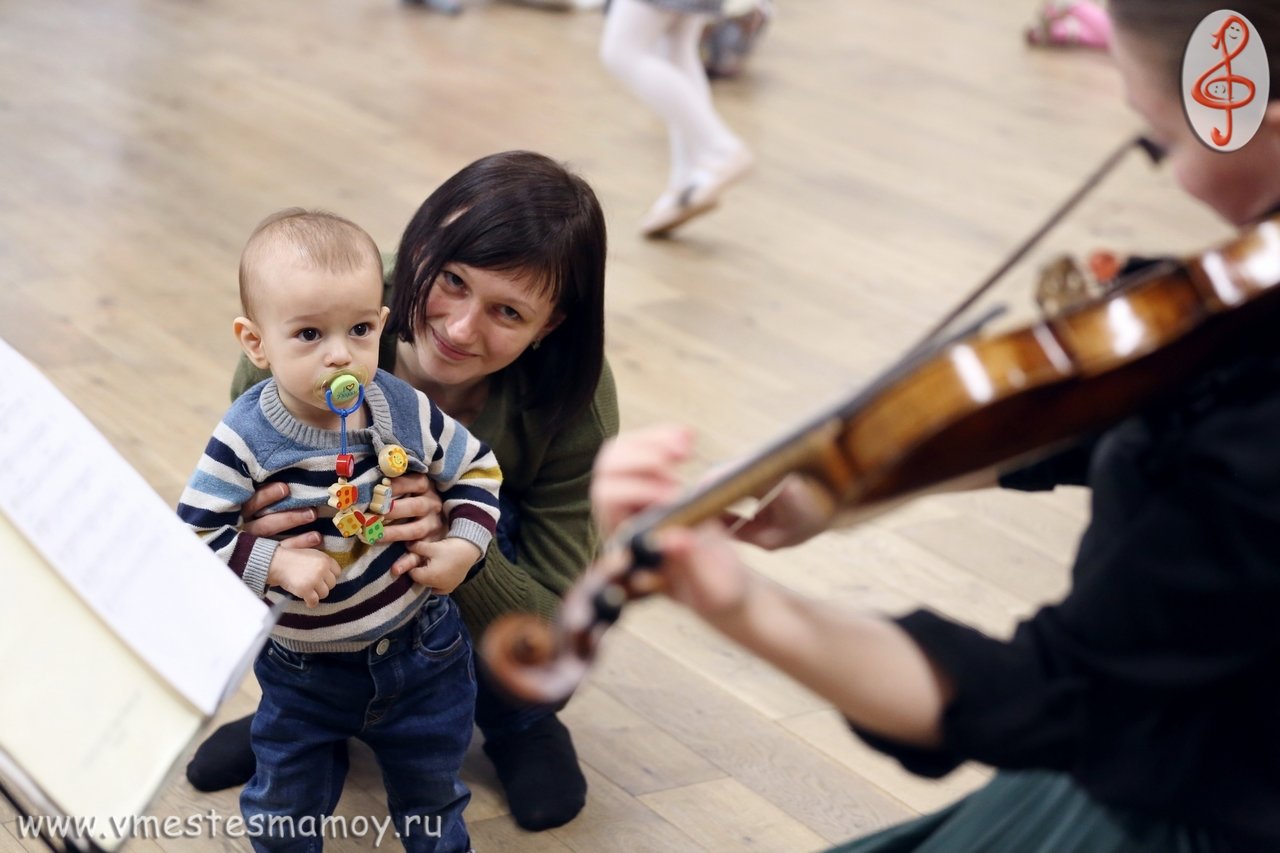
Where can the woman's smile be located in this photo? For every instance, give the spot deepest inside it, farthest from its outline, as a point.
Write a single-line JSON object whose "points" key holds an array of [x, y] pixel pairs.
{"points": [[447, 349]]}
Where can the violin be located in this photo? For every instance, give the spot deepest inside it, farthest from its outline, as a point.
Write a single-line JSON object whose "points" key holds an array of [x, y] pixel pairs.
{"points": [[951, 407]]}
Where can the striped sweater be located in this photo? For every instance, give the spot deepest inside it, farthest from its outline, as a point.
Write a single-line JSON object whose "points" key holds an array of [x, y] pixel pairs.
{"points": [[259, 442]]}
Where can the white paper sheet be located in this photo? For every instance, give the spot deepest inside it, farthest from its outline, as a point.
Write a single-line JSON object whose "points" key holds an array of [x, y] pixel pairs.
{"points": [[113, 539]]}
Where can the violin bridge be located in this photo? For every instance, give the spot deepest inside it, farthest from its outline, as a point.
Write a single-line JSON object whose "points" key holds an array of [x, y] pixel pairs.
{"points": [[1063, 285]]}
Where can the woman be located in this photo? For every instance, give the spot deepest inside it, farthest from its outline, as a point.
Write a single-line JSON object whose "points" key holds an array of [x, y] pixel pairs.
{"points": [[497, 314]]}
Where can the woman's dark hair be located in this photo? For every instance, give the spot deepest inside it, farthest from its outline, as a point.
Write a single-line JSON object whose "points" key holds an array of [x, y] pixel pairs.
{"points": [[1165, 26], [518, 212]]}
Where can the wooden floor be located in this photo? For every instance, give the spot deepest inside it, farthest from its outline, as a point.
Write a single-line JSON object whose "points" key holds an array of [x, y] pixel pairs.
{"points": [[903, 148]]}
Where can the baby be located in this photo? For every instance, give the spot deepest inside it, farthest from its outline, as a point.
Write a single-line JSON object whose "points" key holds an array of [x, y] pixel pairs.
{"points": [[359, 651]]}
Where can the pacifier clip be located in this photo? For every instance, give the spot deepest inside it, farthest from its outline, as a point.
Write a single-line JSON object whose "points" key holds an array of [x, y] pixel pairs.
{"points": [[392, 461]]}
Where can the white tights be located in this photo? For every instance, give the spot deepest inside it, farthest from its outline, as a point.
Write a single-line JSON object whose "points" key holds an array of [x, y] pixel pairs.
{"points": [[654, 52]]}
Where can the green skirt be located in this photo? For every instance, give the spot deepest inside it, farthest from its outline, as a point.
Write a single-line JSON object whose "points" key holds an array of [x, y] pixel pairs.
{"points": [[1032, 812]]}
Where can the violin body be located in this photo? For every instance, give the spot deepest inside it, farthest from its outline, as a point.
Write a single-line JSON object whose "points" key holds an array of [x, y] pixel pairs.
{"points": [[996, 400], [974, 403]]}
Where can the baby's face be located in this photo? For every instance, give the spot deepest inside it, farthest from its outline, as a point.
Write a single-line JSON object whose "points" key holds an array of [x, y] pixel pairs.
{"points": [[316, 325]]}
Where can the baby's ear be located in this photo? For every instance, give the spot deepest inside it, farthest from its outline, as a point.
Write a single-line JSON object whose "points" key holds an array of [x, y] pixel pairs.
{"points": [[250, 339], [382, 317]]}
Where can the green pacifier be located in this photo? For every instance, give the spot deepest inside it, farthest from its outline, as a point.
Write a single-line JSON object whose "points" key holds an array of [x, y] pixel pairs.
{"points": [[343, 389]]}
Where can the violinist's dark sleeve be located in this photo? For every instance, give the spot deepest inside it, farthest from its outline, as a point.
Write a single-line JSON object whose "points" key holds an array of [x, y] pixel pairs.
{"points": [[1156, 682], [1066, 467]]}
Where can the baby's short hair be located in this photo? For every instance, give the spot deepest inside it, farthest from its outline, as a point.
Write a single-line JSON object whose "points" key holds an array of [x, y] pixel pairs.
{"points": [[315, 238]]}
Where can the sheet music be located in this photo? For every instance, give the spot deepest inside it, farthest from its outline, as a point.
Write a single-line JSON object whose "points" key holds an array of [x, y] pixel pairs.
{"points": [[113, 539], [87, 729]]}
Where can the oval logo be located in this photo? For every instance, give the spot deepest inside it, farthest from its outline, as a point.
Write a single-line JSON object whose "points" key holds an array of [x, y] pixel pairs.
{"points": [[1225, 80]]}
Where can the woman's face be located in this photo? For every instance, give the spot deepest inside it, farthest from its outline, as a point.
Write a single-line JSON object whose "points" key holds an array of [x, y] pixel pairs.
{"points": [[479, 321], [1242, 185]]}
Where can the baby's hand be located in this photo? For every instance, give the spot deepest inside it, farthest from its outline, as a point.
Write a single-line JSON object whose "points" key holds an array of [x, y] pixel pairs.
{"points": [[305, 572], [440, 565]]}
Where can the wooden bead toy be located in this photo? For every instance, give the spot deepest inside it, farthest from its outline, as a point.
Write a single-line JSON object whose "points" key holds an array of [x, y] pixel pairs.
{"points": [[373, 529], [346, 465], [342, 495], [382, 499], [348, 522], [392, 460]]}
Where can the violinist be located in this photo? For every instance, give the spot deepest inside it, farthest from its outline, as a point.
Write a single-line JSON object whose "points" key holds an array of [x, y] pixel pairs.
{"points": [[1140, 712]]}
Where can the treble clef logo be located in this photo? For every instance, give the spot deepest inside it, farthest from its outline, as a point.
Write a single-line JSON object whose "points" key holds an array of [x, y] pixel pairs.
{"points": [[1225, 80], [1218, 92]]}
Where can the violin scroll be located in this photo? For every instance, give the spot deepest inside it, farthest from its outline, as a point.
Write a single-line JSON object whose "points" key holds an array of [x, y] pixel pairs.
{"points": [[540, 662]]}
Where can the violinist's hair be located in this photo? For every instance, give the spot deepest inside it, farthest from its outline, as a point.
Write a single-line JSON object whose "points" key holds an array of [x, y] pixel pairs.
{"points": [[1164, 26]]}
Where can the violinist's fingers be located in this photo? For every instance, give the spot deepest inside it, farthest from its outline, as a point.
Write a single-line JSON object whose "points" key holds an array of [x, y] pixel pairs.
{"points": [[801, 509], [701, 570], [645, 583], [653, 451], [636, 470], [733, 521], [616, 498]]}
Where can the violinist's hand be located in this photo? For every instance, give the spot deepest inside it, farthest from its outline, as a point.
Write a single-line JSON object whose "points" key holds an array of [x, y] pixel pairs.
{"points": [[703, 572], [800, 510], [636, 470]]}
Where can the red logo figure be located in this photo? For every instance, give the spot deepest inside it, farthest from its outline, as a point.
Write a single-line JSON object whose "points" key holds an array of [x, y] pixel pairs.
{"points": [[1217, 91]]}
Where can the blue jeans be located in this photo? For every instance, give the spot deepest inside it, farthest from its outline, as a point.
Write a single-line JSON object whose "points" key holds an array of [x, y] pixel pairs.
{"points": [[409, 696], [496, 714]]}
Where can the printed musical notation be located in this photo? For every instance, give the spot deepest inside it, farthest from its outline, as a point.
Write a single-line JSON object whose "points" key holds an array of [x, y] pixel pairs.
{"points": [[112, 538]]}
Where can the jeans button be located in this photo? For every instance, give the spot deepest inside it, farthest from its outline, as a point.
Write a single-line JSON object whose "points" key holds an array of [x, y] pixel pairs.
{"points": [[382, 646]]}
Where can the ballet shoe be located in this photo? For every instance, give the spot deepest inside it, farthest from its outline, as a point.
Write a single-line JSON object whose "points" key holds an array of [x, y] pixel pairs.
{"points": [[718, 178], [698, 197], [672, 210]]}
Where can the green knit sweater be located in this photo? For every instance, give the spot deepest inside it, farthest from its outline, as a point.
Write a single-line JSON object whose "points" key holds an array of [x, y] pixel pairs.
{"points": [[546, 475]]}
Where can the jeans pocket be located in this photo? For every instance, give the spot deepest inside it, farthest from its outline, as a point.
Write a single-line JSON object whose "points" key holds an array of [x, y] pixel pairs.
{"points": [[287, 658], [441, 634]]}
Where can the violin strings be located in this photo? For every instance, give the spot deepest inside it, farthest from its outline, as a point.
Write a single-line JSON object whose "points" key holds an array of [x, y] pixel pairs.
{"points": [[766, 499]]}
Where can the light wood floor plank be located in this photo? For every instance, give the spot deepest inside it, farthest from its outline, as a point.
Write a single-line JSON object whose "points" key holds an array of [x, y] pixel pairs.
{"points": [[724, 815]]}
